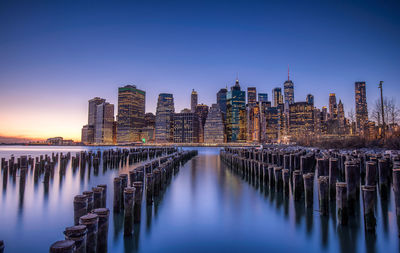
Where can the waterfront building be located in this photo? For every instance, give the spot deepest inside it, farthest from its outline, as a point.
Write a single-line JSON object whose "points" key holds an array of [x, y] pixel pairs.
{"points": [[148, 132], [236, 114], [164, 118], [253, 122], [324, 113], [332, 106], [301, 119], [104, 124], [193, 100], [288, 89], [131, 110], [88, 131], [251, 95], [87, 136], [221, 100], [341, 118], [361, 106], [277, 96], [273, 124], [262, 97], [214, 126], [186, 127], [310, 99], [202, 112]]}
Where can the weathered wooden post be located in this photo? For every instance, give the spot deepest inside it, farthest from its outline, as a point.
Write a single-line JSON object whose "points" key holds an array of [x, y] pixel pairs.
{"points": [[351, 178], [80, 207], [383, 168], [370, 173], [271, 177], [278, 178], [91, 221], [149, 188], [124, 184], [323, 190], [309, 189], [298, 185], [286, 179], [341, 203], [117, 195], [138, 201], [128, 212], [78, 235], [333, 177], [65, 246], [89, 195], [97, 197], [369, 207], [157, 181], [102, 234], [103, 195], [323, 167]]}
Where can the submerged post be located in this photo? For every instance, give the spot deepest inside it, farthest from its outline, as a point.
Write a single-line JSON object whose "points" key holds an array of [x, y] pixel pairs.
{"points": [[102, 234], [80, 207], [91, 222], [341, 202], [128, 210], [323, 190], [369, 207], [65, 246], [78, 235]]}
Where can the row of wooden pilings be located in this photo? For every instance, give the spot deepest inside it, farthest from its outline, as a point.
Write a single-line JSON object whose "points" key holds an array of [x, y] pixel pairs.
{"points": [[341, 176], [90, 231]]}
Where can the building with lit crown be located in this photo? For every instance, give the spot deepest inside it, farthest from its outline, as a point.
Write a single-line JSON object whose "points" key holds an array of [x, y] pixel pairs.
{"points": [[236, 114]]}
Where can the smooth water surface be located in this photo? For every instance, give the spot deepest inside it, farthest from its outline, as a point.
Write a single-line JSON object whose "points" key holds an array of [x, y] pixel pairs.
{"points": [[206, 208]]}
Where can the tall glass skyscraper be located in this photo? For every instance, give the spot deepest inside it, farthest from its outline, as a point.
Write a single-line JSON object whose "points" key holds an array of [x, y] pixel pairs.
{"points": [[89, 130], [236, 114], [104, 124], [288, 89], [277, 96], [251, 95], [361, 106], [193, 100], [131, 111], [214, 127], [164, 118], [263, 97], [221, 100]]}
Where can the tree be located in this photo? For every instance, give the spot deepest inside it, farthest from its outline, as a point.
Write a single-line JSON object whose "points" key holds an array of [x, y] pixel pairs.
{"points": [[391, 111], [350, 114]]}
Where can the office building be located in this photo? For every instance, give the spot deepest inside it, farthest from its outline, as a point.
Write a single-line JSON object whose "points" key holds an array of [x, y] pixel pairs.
{"points": [[104, 124], [361, 107], [214, 127], [164, 118], [251, 95], [236, 114], [277, 96], [193, 100], [202, 112], [186, 127]]}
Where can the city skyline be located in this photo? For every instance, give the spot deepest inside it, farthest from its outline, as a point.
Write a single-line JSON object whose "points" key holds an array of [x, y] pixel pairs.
{"points": [[50, 97]]}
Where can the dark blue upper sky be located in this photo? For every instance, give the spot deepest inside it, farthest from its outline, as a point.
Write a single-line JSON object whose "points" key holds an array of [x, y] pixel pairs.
{"points": [[55, 55]]}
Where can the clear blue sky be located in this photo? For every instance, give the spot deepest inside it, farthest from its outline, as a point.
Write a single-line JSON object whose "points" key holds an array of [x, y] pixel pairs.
{"points": [[55, 55]]}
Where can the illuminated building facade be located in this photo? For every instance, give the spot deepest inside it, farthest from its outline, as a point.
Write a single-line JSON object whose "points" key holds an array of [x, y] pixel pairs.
{"points": [[214, 127], [361, 106], [104, 124], [148, 132], [288, 88], [273, 124], [236, 114], [262, 97], [301, 119], [88, 131], [193, 100], [251, 95], [332, 106], [253, 123], [186, 127], [201, 112], [131, 110], [221, 100], [87, 134], [341, 118], [164, 118], [277, 96], [310, 99]]}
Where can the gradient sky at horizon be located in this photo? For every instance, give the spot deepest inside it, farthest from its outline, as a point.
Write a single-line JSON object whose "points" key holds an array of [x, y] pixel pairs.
{"points": [[56, 55]]}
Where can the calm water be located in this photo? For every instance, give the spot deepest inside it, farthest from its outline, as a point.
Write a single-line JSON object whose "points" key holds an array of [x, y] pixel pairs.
{"points": [[206, 208]]}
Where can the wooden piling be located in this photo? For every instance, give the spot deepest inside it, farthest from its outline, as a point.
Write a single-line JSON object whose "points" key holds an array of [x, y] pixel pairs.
{"points": [[117, 195], [65, 246], [128, 210], [341, 203], [89, 195], [297, 185], [137, 208], [80, 207], [323, 194], [91, 221], [351, 181], [370, 173], [309, 189], [369, 207], [102, 234], [103, 195], [149, 188], [78, 235], [97, 197]]}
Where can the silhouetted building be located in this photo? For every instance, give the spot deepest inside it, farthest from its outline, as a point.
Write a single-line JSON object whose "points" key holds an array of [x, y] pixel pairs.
{"points": [[193, 100], [214, 127], [148, 132], [201, 112], [164, 118], [221, 100], [310, 99], [131, 110], [104, 124], [277, 96], [88, 131], [186, 127], [87, 134], [236, 114], [361, 106], [332, 106], [251, 95]]}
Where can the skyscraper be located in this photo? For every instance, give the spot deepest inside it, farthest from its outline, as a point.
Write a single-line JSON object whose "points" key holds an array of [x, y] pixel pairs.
{"points": [[277, 96], [148, 132], [253, 122], [88, 131], [251, 95], [164, 118], [310, 99], [193, 100], [341, 117], [288, 88], [263, 97], [301, 119], [214, 127], [236, 114], [332, 106], [221, 100], [104, 123], [361, 106], [131, 110], [186, 127], [201, 112]]}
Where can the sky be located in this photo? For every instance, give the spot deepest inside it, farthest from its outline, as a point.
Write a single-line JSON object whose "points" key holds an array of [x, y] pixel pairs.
{"points": [[56, 55]]}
